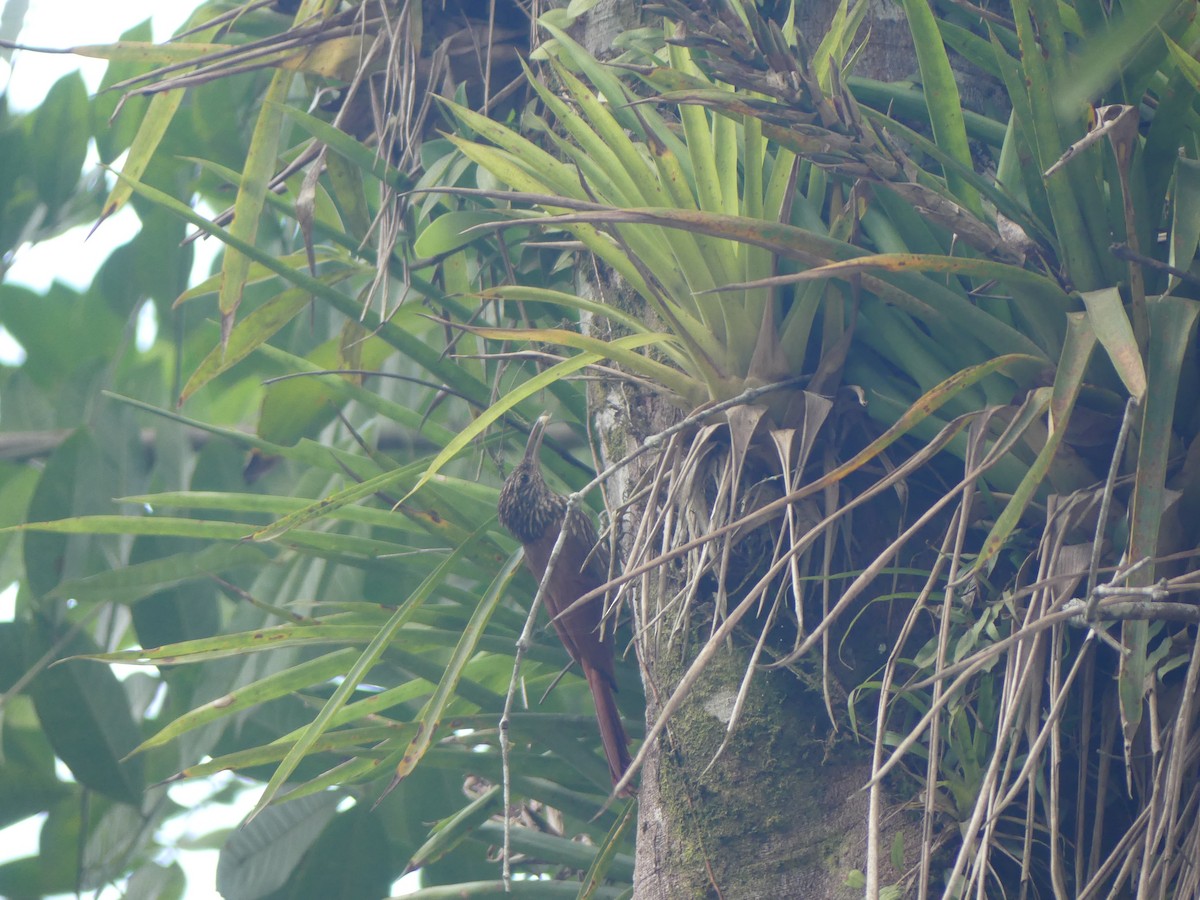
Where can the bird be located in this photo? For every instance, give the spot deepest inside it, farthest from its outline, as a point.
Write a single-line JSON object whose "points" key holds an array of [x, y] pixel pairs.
{"points": [[534, 515]]}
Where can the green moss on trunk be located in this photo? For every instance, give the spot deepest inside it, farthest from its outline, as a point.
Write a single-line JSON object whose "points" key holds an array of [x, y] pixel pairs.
{"points": [[772, 808]]}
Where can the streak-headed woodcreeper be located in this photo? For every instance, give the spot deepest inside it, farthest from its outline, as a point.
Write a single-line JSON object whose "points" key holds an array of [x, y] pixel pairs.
{"points": [[534, 515]]}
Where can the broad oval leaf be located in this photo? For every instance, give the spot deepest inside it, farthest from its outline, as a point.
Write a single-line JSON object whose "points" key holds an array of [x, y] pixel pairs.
{"points": [[261, 855], [87, 717]]}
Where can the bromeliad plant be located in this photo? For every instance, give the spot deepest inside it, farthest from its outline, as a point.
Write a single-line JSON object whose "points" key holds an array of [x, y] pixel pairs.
{"points": [[1037, 324], [681, 209]]}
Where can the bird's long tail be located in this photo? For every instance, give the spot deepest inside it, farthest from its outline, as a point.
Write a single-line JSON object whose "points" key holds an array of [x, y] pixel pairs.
{"points": [[612, 732]]}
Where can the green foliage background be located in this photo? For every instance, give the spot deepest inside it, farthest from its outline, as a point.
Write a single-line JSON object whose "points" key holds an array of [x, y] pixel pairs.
{"points": [[309, 567]]}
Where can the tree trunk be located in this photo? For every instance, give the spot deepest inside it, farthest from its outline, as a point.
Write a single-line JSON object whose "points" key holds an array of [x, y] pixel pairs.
{"points": [[781, 812], [773, 816]]}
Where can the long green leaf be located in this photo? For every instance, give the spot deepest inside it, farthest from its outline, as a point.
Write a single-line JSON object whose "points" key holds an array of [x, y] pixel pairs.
{"points": [[277, 684], [249, 333], [1107, 316], [941, 96], [452, 831], [1172, 324], [431, 716], [412, 346], [607, 854], [1048, 144], [1077, 352], [252, 192], [526, 389], [356, 152]]}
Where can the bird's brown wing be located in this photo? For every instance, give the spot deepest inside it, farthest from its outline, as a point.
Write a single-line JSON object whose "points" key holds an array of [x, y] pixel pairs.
{"points": [[582, 567], [577, 571]]}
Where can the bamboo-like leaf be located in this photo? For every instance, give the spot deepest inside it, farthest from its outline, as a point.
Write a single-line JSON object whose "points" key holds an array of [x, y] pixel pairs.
{"points": [[163, 526], [362, 156], [554, 848], [333, 58], [344, 547], [599, 869], [258, 272], [451, 832], [346, 390], [431, 716], [370, 708], [474, 430], [147, 52], [277, 684], [331, 503], [251, 332], [469, 492], [328, 631], [356, 770], [149, 135], [357, 673], [356, 741], [132, 582], [339, 58], [151, 129], [247, 209], [412, 346], [296, 276]]}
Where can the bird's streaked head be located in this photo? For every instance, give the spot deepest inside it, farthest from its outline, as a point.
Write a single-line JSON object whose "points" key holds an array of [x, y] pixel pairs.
{"points": [[527, 506]]}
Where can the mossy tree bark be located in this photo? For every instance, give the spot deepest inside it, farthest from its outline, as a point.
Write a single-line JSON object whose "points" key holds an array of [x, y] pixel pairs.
{"points": [[773, 816]]}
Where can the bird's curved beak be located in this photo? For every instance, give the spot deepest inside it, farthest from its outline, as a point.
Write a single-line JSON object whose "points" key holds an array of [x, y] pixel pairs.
{"points": [[534, 445]]}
